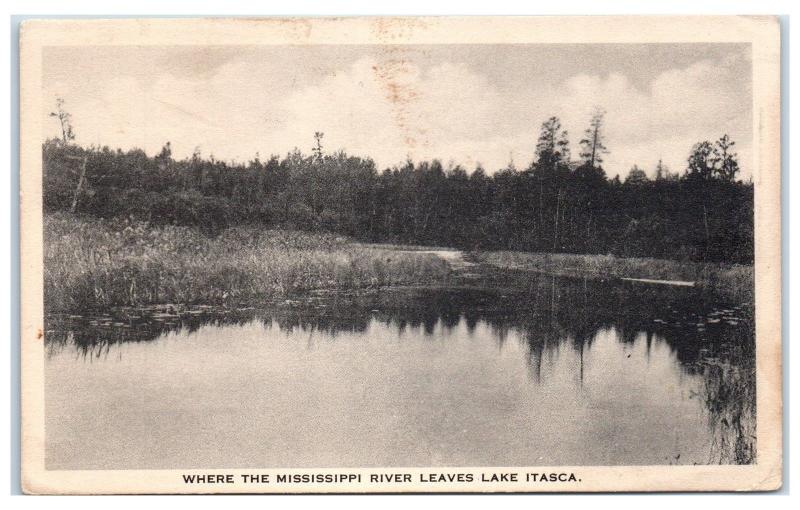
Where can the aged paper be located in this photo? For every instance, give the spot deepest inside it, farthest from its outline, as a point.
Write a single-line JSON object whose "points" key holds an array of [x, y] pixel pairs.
{"points": [[480, 254]]}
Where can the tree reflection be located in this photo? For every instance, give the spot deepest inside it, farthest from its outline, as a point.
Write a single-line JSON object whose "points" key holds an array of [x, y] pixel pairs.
{"points": [[711, 340]]}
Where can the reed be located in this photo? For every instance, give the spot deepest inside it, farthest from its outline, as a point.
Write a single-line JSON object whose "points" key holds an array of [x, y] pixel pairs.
{"points": [[95, 264]]}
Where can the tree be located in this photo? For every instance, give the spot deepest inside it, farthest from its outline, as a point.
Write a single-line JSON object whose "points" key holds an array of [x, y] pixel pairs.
{"points": [[725, 163], [67, 135], [636, 176], [65, 120], [551, 209], [166, 152], [661, 170], [553, 145], [713, 161], [196, 165], [551, 171], [164, 158], [511, 166], [701, 161], [592, 143], [317, 150]]}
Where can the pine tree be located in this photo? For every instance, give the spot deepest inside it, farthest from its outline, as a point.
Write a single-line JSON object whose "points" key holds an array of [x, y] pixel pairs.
{"points": [[592, 143], [552, 147]]}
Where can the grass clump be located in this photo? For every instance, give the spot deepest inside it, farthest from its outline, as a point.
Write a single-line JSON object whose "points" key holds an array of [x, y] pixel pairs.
{"points": [[95, 264]]}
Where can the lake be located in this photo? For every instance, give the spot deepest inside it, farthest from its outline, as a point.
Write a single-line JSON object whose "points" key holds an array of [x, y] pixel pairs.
{"points": [[533, 371]]}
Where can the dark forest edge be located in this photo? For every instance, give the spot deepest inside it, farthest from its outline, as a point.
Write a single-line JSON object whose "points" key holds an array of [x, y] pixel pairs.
{"points": [[124, 228], [555, 205]]}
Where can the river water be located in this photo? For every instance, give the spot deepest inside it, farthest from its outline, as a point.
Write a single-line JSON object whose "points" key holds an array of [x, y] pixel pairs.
{"points": [[552, 372]]}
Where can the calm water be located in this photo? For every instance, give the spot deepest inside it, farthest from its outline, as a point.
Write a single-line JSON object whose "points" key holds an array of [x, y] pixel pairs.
{"points": [[553, 372]]}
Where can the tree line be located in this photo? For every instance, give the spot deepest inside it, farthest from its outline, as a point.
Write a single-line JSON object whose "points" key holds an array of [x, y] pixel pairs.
{"points": [[555, 204]]}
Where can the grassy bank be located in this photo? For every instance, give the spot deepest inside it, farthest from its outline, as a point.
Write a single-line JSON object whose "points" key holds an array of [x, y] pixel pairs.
{"points": [[732, 281], [95, 264]]}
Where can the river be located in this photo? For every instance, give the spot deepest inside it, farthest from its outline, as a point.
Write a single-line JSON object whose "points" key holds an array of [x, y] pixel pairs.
{"points": [[533, 371]]}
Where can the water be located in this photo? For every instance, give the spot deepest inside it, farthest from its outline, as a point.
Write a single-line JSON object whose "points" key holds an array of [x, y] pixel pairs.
{"points": [[549, 372]]}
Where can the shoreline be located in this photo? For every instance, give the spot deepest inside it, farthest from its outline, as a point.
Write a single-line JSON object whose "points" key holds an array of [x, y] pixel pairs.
{"points": [[734, 282], [93, 265]]}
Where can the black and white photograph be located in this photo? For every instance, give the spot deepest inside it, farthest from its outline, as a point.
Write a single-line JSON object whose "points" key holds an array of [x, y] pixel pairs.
{"points": [[396, 263]]}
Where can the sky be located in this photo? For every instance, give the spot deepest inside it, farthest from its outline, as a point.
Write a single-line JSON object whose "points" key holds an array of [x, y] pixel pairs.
{"points": [[462, 104]]}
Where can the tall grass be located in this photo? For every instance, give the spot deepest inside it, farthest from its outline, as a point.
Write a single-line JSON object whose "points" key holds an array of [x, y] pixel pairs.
{"points": [[732, 281], [95, 264]]}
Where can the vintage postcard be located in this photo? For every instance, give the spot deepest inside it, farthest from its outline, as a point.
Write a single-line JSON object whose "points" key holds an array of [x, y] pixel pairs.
{"points": [[478, 254]]}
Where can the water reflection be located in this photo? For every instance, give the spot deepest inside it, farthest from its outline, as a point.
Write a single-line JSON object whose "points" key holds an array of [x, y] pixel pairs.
{"points": [[591, 350]]}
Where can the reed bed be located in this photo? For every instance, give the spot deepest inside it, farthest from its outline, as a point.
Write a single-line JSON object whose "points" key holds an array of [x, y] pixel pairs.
{"points": [[95, 264]]}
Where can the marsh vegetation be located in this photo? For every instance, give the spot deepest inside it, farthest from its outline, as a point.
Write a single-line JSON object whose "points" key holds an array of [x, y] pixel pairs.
{"points": [[94, 264]]}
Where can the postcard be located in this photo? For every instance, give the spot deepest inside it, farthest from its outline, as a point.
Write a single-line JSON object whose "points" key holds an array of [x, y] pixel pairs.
{"points": [[437, 254]]}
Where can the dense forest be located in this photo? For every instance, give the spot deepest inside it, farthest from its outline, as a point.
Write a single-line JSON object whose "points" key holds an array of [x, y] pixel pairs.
{"points": [[555, 204]]}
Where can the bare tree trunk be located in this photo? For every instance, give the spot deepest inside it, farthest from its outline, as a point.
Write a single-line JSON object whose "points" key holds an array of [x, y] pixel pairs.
{"points": [[555, 227], [79, 187], [705, 224], [541, 212]]}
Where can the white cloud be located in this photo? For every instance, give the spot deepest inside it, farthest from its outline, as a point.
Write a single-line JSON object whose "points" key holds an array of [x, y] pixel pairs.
{"points": [[390, 108], [681, 107]]}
